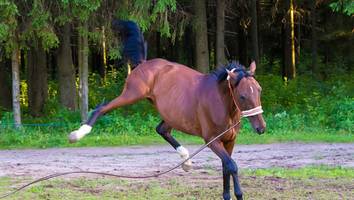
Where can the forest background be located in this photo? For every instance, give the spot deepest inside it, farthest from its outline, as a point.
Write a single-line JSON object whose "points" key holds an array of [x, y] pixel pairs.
{"points": [[59, 59]]}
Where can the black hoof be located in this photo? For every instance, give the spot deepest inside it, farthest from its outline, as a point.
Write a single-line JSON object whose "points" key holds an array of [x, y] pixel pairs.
{"points": [[239, 197], [226, 196]]}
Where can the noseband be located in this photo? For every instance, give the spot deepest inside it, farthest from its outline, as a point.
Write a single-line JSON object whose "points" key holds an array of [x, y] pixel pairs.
{"points": [[252, 112], [246, 113]]}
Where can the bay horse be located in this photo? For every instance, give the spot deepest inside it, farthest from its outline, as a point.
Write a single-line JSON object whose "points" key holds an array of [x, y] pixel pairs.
{"points": [[199, 104]]}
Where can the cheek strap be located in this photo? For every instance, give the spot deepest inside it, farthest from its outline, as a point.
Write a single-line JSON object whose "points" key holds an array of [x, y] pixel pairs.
{"points": [[252, 112]]}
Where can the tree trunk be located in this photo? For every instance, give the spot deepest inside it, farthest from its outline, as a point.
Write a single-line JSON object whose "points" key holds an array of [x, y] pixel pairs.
{"points": [[220, 32], [189, 43], [313, 37], [289, 42], [292, 69], [37, 80], [66, 71], [158, 44], [5, 85], [103, 69], [254, 31], [201, 37], [286, 53], [259, 31], [83, 73], [242, 45], [298, 42], [16, 87], [242, 38]]}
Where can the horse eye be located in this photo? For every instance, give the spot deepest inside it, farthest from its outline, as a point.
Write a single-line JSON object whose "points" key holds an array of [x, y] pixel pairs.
{"points": [[242, 97]]}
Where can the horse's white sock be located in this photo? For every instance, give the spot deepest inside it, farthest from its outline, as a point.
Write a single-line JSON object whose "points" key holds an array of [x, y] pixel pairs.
{"points": [[80, 133], [183, 152]]}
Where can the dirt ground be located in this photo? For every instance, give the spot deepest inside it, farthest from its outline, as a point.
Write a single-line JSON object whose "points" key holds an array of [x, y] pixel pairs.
{"points": [[144, 160]]}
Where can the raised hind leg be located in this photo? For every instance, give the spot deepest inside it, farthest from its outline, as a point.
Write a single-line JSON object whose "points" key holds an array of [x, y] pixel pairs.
{"points": [[134, 90], [229, 169], [164, 130]]}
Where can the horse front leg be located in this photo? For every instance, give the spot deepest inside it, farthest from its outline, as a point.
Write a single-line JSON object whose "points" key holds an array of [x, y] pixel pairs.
{"points": [[164, 130], [132, 92], [229, 169], [229, 146], [226, 184]]}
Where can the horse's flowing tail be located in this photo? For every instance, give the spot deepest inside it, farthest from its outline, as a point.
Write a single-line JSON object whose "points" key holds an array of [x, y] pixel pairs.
{"points": [[134, 45]]}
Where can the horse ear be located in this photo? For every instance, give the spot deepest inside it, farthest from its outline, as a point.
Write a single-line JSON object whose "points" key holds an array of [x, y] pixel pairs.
{"points": [[252, 68]]}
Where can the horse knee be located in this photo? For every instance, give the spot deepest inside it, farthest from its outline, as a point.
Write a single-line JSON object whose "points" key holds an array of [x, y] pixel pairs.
{"points": [[230, 167]]}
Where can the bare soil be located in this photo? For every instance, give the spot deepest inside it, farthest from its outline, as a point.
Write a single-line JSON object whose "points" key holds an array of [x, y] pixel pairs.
{"points": [[145, 160]]}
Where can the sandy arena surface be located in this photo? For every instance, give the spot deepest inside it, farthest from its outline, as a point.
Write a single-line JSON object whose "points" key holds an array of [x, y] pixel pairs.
{"points": [[140, 160]]}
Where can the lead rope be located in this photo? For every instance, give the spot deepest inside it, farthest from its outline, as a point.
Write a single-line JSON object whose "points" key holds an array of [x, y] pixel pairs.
{"points": [[121, 176], [137, 177], [232, 95]]}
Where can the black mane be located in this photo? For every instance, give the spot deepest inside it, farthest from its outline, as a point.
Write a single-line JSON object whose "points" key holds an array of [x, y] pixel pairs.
{"points": [[220, 73], [134, 45]]}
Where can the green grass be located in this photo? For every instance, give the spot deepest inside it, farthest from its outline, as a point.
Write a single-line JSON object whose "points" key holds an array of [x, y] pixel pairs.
{"points": [[133, 130], [304, 173], [275, 183], [50, 137]]}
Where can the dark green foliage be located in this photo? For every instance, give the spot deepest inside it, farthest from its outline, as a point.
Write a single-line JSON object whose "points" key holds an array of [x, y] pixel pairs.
{"points": [[305, 103]]}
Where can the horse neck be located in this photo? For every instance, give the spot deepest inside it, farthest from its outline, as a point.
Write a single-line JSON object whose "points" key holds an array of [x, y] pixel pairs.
{"points": [[230, 107]]}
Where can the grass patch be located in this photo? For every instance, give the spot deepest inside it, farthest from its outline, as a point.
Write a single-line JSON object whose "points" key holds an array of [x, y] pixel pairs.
{"points": [[276, 183], [49, 137], [46, 137], [323, 172]]}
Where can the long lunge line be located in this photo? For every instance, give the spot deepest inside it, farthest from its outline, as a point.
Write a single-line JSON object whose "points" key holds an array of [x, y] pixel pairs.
{"points": [[120, 176]]}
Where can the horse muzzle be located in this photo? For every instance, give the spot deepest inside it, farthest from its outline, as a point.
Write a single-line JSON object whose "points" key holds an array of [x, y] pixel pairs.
{"points": [[260, 130]]}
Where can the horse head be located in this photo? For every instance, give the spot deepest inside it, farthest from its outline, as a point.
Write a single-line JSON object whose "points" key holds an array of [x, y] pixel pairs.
{"points": [[247, 95]]}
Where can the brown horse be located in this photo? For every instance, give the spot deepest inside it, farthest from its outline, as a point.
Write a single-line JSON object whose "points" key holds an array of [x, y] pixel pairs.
{"points": [[194, 103]]}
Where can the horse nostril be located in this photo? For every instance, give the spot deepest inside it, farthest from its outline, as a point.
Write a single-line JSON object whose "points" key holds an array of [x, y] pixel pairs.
{"points": [[260, 130]]}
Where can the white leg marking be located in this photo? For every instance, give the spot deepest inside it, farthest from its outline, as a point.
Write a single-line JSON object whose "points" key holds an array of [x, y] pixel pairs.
{"points": [[183, 152], [80, 133]]}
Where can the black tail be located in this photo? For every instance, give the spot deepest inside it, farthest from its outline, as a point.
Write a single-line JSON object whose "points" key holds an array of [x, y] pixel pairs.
{"points": [[134, 45]]}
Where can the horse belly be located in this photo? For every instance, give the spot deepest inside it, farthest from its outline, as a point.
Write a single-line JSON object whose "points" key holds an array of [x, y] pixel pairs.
{"points": [[182, 123], [178, 108], [174, 91]]}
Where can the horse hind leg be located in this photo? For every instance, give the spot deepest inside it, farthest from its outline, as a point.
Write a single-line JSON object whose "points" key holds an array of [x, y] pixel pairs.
{"points": [[133, 91], [164, 130]]}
